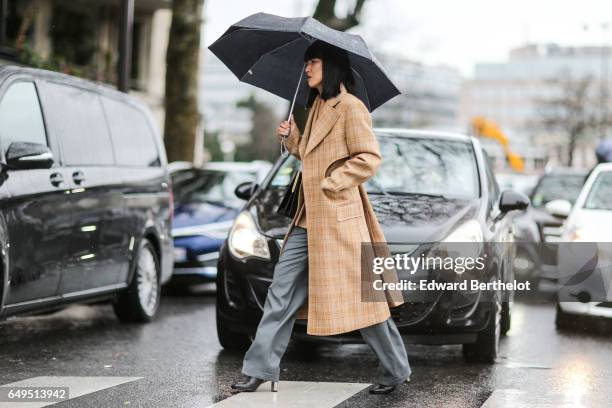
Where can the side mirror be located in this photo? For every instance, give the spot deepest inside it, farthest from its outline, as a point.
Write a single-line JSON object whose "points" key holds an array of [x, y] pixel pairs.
{"points": [[559, 208], [24, 155], [513, 200], [245, 190]]}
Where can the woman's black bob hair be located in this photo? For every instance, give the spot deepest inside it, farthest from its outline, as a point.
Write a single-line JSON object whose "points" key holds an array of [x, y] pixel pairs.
{"points": [[336, 70]]}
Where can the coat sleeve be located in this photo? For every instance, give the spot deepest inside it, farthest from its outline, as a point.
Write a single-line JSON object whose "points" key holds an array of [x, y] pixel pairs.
{"points": [[364, 151], [293, 141]]}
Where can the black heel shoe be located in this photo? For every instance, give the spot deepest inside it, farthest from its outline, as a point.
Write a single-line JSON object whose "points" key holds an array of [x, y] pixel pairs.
{"points": [[384, 389], [251, 385]]}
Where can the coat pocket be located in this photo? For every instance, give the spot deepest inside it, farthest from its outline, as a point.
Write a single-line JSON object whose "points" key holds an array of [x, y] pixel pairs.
{"points": [[333, 155], [348, 211], [329, 169]]}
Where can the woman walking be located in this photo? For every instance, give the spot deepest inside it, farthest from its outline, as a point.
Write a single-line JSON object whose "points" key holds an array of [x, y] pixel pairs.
{"points": [[318, 275]]}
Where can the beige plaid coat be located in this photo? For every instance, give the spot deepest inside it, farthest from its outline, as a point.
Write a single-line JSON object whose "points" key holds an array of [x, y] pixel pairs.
{"points": [[339, 152]]}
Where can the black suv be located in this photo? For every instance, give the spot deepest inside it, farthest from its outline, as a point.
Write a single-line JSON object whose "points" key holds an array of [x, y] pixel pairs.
{"points": [[431, 187], [85, 198]]}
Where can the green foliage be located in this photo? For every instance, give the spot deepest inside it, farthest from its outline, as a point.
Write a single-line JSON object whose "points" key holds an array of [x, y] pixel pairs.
{"points": [[213, 146], [74, 39], [27, 56], [74, 36]]}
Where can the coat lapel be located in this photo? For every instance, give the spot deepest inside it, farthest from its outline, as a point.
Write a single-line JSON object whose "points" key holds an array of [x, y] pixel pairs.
{"points": [[327, 119], [307, 130]]}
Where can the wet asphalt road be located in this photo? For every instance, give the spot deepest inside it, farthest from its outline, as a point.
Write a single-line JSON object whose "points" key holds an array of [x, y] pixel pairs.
{"points": [[182, 364]]}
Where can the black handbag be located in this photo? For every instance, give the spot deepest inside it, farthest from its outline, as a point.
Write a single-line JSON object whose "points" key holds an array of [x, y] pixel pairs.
{"points": [[289, 203]]}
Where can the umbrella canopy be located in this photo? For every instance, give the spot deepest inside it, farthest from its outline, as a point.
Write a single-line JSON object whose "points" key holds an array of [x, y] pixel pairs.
{"points": [[268, 51]]}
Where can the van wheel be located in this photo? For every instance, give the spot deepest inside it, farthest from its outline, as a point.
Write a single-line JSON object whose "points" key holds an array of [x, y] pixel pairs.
{"points": [[487, 343], [231, 340], [139, 303]]}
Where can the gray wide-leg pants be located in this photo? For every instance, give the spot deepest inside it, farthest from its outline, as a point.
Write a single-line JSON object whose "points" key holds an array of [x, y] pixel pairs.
{"points": [[287, 293]]}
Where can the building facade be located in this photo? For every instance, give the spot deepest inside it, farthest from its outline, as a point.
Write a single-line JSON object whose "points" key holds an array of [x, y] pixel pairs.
{"points": [[429, 96], [511, 94], [80, 37]]}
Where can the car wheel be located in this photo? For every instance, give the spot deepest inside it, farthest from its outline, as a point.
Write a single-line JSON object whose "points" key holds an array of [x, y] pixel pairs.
{"points": [[139, 303], [487, 343], [506, 318], [229, 339]]}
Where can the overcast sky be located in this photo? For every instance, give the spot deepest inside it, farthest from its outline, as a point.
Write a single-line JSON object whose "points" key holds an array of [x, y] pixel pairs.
{"points": [[458, 33]]}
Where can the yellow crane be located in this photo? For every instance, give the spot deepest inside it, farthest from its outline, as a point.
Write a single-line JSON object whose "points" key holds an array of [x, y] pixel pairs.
{"points": [[487, 128]]}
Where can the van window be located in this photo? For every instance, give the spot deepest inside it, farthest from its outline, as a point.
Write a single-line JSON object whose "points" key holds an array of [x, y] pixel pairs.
{"points": [[81, 125], [133, 138], [20, 116]]}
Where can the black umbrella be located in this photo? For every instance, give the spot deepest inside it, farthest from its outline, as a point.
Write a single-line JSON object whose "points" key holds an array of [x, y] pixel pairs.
{"points": [[268, 51]]}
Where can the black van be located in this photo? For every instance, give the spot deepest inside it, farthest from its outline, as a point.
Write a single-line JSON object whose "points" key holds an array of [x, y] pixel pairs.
{"points": [[85, 197]]}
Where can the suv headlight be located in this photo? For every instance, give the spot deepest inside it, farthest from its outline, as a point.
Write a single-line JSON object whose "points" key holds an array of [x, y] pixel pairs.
{"points": [[465, 242], [245, 240], [468, 232]]}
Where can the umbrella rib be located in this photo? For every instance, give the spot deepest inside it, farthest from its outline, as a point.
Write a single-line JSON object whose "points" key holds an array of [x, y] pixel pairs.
{"points": [[271, 51], [365, 87]]}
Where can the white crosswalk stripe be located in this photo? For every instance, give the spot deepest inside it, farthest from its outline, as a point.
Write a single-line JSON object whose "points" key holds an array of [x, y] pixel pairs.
{"points": [[513, 398], [77, 387], [294, 394]]}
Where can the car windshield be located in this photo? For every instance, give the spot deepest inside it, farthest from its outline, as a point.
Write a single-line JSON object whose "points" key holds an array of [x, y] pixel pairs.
{"points": [[557, 187], [199, 186], [599, 196], [426, 166]]}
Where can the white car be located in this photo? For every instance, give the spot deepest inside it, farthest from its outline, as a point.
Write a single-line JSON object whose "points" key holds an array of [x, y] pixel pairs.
{"points": [[586, 246]]}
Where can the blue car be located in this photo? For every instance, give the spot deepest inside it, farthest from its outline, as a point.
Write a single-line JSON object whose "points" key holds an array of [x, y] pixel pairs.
{"points": [[204, 210]]}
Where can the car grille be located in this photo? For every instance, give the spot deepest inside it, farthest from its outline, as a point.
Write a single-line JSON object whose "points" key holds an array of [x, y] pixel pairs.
{"points": [[411, 312], [551, 233]]}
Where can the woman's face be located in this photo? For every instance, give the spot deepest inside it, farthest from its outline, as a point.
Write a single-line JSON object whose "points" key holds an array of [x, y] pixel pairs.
{"points": [[314, 73]]}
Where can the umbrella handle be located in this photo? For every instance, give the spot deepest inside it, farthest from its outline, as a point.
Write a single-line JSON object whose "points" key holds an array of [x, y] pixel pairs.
{"points": [[283, 148]]}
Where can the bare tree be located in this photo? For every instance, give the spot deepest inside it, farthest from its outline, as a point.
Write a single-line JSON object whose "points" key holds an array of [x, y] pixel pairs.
{"points": [[28, 19], [571, 112], [182, 115], [325, 12]]}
